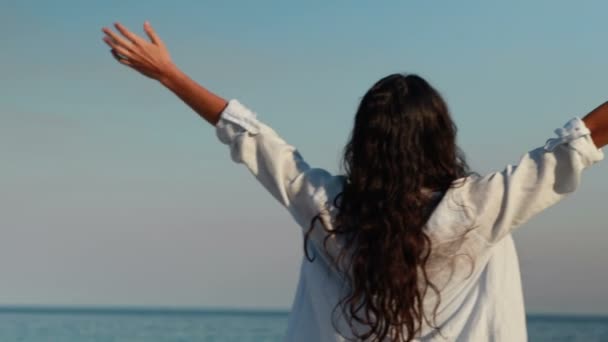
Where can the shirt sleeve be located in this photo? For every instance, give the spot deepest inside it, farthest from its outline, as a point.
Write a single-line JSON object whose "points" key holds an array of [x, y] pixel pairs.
{"points": [[501, 201], [277, 165]]}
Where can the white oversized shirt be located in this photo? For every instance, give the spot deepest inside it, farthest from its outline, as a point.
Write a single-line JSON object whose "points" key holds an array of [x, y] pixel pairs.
{"points": [[474, 262]]}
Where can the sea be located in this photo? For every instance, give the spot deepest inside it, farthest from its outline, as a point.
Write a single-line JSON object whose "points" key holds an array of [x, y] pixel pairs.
{"points": [[175, 325]]}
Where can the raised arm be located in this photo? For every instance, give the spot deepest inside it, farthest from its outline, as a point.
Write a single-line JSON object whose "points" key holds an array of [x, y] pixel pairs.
{"points": [[502, 201], [277, 165], [151, 58]]}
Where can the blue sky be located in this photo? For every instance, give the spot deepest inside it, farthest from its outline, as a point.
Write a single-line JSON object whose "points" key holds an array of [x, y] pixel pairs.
{"points": [[115, 193]]}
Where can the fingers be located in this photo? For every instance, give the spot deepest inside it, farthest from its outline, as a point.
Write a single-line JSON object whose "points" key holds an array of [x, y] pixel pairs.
{"points": [[152, 34], [117, 48], [130, 35], [120, 54], [121, 59], [118, 40]]}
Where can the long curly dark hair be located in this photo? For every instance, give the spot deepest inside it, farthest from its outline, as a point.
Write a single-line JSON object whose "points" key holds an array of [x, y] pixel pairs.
{"points": [[403, 141]]}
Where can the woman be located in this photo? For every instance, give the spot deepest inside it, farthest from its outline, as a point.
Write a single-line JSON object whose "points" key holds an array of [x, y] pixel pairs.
{"points": [[408, 244]]}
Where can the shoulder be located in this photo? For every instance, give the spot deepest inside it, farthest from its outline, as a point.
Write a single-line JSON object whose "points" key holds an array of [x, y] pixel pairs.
{"points": [[454, 212], [318, 188]]}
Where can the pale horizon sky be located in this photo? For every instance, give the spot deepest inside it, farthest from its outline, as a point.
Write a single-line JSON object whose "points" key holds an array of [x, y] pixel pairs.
{"points": [[114, 193]]}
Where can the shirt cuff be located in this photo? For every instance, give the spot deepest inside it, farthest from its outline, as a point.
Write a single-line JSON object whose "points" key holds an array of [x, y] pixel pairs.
{"points": [[238, 114], [236, 119], [578, 136]]}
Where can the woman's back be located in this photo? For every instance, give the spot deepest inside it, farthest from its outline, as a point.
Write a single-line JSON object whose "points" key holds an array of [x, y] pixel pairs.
{"points": [[481, 297], [473, 261]]}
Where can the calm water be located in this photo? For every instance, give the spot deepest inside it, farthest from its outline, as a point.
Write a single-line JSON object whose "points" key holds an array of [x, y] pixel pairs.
{"points": [[28, 325]]}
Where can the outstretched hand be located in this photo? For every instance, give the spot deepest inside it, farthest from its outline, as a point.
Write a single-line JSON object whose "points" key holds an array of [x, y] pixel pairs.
{"points": [[151, 58]]}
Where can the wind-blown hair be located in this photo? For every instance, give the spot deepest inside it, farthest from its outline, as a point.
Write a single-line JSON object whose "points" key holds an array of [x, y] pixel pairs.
{"points": [[403, 141]]}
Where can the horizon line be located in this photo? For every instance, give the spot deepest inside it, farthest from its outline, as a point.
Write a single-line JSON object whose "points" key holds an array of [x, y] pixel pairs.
{"points": [[215, 310]]}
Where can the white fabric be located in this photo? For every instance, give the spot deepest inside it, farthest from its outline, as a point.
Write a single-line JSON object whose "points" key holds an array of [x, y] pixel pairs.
{"points": [[477, 272]]}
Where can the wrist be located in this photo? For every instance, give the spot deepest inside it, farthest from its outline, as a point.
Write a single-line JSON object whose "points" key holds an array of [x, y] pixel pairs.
{"points": [[168, 75]]}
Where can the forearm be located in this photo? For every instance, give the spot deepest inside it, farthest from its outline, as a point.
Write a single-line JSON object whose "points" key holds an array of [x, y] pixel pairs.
{"points": [[207, 104], [597, 122]]}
